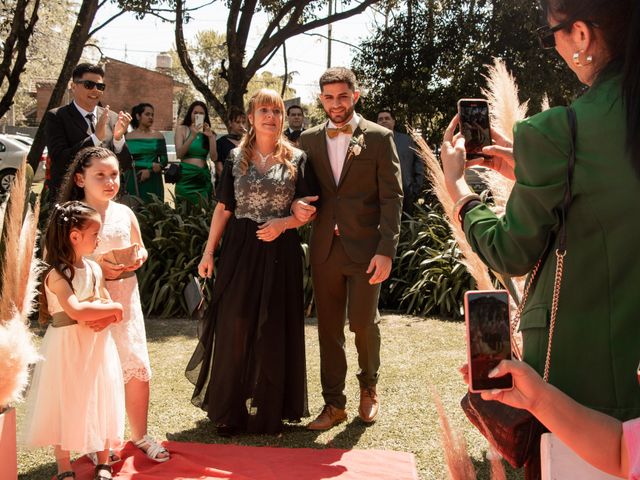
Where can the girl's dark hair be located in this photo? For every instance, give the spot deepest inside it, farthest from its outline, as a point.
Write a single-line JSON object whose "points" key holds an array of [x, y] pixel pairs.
{"points": [[138, 110], [58, 250], [619, 23], [187, 118], [83, 159]]}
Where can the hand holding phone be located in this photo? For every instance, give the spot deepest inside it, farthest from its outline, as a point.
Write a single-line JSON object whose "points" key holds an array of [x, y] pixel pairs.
{"points": [[199, 120], [488, 324], [473, 114]]}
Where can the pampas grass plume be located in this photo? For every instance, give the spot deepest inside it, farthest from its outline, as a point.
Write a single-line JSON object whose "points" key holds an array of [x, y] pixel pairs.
{"points": [[17, 352], [455, 448], [475, 267], [20, 271]]}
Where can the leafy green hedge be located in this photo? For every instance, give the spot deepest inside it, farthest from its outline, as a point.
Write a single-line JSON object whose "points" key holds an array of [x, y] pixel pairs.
{"points": [[427, 276]]}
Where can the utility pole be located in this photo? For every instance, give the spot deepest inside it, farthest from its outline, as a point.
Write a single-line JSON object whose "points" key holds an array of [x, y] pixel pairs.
{"points": [[329, 31]]}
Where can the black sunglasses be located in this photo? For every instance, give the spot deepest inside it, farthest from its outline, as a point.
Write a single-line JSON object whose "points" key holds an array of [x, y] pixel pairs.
{"points": [[546, 34], [90, 84]]}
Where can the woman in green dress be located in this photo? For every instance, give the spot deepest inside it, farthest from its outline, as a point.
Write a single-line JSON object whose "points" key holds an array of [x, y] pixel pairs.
{"points": [[194, 142], [149, 151]]}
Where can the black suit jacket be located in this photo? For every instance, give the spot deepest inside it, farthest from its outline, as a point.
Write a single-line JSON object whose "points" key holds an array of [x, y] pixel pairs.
{"points": [[67, 133]]}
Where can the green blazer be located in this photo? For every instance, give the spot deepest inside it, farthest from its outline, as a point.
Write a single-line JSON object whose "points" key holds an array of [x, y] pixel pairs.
{"points": [[366, 204], [596, 342]]}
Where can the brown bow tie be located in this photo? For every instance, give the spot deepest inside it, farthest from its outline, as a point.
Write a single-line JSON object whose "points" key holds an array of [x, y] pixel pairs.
{"points": [[334, 132]]}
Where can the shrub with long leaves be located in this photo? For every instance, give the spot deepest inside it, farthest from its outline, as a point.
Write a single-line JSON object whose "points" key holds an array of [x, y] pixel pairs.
{"points": [[428, 276]]}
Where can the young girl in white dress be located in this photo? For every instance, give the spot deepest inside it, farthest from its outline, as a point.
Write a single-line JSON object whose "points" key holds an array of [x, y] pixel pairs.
{"points": [[94, 178], [76, 400]]}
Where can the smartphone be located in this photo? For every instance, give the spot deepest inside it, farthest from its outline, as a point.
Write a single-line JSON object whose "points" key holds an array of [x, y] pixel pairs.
{"points": [[473, 114], [486, 314], [199, 120]]}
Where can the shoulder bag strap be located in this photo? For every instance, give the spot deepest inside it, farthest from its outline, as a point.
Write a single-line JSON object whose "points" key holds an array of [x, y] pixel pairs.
{"points": [[561, 251]]}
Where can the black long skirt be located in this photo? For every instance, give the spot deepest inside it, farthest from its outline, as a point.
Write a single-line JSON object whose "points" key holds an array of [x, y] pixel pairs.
{"points": [[249, 366]]}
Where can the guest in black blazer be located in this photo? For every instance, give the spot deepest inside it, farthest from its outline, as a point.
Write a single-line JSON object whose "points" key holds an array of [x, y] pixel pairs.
{"points": [[82, 123]]}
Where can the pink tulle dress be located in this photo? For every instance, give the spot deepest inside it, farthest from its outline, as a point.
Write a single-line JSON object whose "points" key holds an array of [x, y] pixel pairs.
{"points": [[76, 398]]}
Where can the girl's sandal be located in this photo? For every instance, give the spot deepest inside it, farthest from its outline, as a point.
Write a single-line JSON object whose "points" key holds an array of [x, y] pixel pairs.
{"points": [[67, 474], [152, 449], [99, 468], [113, 457]]}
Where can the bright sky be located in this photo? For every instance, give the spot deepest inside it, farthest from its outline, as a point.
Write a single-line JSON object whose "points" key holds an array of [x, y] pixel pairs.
{"points": [[139, 41]]}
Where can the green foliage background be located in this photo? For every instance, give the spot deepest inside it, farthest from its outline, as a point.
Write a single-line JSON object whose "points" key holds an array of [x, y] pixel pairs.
{"points": [[427, 276], [428, 56]]}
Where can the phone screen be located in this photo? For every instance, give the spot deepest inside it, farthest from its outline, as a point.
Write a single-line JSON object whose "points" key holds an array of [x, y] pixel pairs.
{"points": [[489, 339], [474, 125]]}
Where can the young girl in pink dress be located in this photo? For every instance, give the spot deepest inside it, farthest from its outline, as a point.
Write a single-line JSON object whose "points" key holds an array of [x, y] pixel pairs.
{"points": [[94, 178], [76, 400]]}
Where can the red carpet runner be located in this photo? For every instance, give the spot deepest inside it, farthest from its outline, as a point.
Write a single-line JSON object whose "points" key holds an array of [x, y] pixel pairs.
{"points": [[191, 461]]}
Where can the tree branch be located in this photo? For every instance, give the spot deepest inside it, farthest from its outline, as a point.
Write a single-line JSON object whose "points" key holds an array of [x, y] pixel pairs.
{"points": [[187, 65], [267, 45], [106, 22], [334, 40]]}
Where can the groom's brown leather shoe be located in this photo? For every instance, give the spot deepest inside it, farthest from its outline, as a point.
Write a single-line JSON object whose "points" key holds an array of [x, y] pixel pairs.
{"points": [[369, 405], [329, 417]]}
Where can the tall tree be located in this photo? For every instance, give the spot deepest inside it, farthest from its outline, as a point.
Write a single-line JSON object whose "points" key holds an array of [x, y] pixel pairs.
{"points": [[287, 18], [429, 56], [80, 34], [17, 23]]}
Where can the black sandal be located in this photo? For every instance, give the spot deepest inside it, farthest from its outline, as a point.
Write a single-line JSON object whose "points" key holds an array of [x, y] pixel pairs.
{"points": [[99, 468], [67, 474]]}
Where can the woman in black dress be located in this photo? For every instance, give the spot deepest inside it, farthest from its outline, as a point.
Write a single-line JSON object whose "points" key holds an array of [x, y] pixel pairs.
{"points": [[249, 366]]}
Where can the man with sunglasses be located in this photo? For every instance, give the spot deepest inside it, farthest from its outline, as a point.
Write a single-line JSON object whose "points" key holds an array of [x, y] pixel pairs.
{"points": [[82, 123]]}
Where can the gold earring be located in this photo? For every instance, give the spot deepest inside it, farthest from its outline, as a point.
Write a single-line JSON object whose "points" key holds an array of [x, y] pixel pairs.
{"points": [[576, 59]]}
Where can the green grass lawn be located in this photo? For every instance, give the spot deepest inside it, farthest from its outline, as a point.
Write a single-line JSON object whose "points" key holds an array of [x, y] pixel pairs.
{"points": [[419, 356]]}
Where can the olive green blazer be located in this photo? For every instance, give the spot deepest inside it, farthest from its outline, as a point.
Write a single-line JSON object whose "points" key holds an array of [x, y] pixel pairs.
{"points": [[596, 342], [366, 204]]}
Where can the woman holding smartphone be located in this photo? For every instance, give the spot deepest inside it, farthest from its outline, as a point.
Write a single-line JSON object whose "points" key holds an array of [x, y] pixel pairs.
{"points": [[195, 141], [596, 338]]}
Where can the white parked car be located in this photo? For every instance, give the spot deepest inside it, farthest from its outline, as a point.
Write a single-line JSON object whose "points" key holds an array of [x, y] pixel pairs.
{"points": [[13, 151]]}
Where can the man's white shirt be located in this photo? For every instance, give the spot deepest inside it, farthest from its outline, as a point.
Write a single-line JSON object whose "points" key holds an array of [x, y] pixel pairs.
{"points": [[337, 147]]}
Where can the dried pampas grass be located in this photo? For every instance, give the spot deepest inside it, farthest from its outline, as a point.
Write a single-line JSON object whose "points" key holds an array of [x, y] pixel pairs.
{"points": [[502, 94], [20, 270], [17, 352], [545, 104], [455, 448], [476, 268]]}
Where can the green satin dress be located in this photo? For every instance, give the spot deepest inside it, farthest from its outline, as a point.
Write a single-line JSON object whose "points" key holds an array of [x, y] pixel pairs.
{"points": [[195, 182], [146, 152]]}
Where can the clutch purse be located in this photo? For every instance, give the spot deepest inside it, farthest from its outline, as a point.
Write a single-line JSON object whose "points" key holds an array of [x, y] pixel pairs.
{"points": [[127, 256], [173, 173], [194, 297]]}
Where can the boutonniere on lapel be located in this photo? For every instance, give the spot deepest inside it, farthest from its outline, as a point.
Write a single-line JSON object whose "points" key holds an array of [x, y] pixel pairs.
{"points": [[356, 145]]}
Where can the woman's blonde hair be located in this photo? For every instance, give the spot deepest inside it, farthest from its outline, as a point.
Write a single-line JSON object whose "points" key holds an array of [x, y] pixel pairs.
{"points": [[283, 152]]}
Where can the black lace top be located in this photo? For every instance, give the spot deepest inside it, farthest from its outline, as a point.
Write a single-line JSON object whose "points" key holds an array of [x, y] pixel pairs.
{"points": [[263, 197]]}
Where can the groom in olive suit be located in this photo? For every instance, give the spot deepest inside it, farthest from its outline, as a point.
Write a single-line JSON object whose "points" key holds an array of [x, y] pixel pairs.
{"points": [[353, 240]]}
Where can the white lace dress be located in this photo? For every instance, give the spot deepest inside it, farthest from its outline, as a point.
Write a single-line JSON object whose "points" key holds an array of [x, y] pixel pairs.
{"points": [[130, 335]]}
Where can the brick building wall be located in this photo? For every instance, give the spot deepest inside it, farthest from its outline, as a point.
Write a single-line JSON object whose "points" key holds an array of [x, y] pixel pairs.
{"points": [[127, 85]]}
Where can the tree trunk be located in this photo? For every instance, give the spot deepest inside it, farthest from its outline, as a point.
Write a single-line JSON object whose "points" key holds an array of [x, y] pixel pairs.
{"points": [[79, 37], [15, 51]]}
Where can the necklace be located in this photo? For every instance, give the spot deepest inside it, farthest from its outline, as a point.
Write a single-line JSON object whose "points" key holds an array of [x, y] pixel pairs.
{"points": [[263, 159]]}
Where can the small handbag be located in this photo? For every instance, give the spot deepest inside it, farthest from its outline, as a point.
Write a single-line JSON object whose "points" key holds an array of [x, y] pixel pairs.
{"points": [[173, 173], [127, 256], [194, 297], [513, 432]]}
